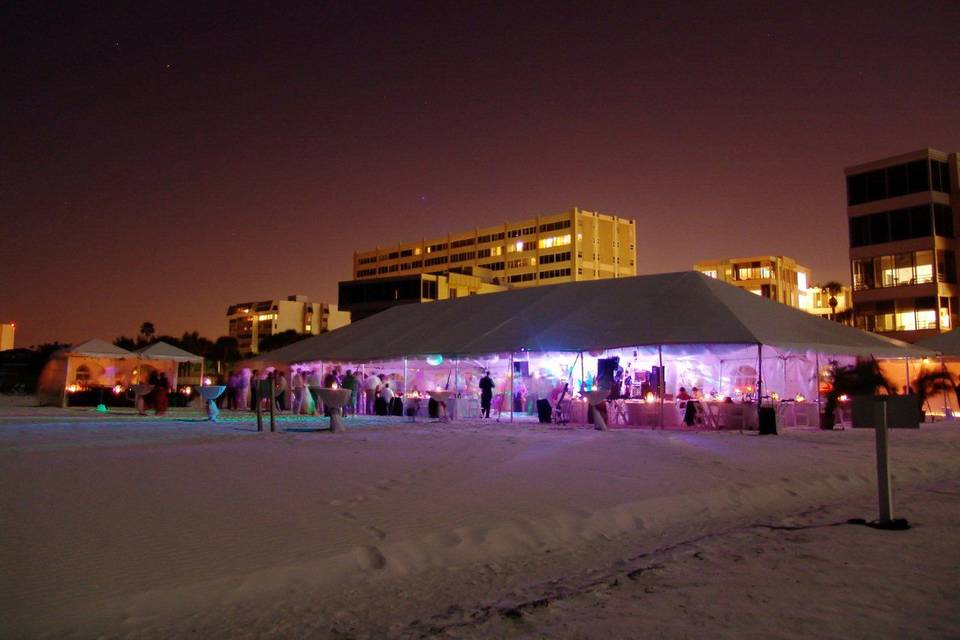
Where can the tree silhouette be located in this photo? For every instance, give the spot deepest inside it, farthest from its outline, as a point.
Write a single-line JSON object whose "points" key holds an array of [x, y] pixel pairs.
{"points": [[147, 331], [834, 288]]}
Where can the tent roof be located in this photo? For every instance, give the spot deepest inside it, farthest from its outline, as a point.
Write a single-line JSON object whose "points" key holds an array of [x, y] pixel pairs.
{"points": [[97, 348], [672, 308], [946, 343], [165, 351]]}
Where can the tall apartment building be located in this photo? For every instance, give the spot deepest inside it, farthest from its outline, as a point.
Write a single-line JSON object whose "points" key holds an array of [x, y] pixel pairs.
{"points": [[251, 322], [7, 332], [778, 278], [364, 298], [564, 247], [902, 219]]}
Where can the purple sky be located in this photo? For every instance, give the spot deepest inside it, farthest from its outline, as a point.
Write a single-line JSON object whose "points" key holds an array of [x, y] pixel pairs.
{"points": [[161, 163]]}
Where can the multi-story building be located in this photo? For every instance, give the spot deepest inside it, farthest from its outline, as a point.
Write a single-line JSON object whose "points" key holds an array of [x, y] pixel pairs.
{"points": [[564, 247], [902, 219], [816, 300], [363, 298], [251, 322], [7, 331], [776, 277]]}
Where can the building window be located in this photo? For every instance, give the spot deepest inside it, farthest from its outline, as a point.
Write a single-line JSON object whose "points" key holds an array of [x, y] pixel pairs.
{"points": [[429, 262], [889, 182], [554, 273], [493, 266], [363, 273], [555, 226], [522, 277], [367, 260], [554, 241], [460, 257], [461, 243], [406, 253]]}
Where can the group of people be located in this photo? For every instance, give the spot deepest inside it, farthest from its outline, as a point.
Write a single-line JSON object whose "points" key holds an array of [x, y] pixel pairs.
{"points": [[298, 393]]}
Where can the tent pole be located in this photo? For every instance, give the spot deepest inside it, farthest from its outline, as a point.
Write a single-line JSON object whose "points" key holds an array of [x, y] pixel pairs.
{"points": [[816, 386], [946, 398], [759, 383], [661, 384], [404, 376], [906, 361], [583, 378], [512, 376], [720, 383]]}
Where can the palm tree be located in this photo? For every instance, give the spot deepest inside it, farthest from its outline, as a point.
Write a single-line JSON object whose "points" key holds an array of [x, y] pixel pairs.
{"points": [[833, 288], [147, 331]]}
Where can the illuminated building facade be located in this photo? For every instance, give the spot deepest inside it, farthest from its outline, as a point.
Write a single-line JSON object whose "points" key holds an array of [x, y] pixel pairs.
{"points": [[775, 277], [250, 322], [565, 247], [7, 331], [902, 221], [364, 298]]}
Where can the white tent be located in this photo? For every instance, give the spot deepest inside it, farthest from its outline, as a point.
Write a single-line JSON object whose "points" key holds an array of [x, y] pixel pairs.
{"points": [[947, 343], [684, 308], [164, 351]]}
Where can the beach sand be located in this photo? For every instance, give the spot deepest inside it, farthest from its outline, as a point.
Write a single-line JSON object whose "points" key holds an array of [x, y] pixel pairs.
{"points": [[150, 528]]}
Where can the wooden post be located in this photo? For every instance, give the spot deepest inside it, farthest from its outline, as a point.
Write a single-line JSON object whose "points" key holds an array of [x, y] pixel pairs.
{"points": [[946, 398], [883, 469], [759, 386], [273, 401]]}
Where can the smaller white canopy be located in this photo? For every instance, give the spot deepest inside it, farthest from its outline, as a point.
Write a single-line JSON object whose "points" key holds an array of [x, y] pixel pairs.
{"points": [[946, 343], [97, 348], [165, 351]]}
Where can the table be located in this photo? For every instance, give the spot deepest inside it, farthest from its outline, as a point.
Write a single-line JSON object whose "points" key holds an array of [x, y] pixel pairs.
{"points": [[797, 414], [647, 414], [210, 393], [334, 399], [733, 415], [441, 398], [140, 391]]}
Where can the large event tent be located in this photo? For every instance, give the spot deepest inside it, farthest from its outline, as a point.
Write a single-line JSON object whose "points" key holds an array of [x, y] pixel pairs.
{"points": [[684, 316]]}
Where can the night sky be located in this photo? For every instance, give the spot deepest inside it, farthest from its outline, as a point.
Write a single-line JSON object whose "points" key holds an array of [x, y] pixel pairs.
{"points": [[161, 162]]}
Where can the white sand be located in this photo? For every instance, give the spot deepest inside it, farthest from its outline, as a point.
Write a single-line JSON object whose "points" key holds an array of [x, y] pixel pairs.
{"points": [[150, 528]]}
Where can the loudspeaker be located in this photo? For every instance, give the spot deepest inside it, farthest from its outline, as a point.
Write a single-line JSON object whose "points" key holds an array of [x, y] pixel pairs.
{"points": [[605, 370], [544, 410]]}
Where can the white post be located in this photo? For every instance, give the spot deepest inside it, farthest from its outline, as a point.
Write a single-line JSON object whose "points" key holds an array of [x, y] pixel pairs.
{"points": [[404, 377], [759, 384], [883, 469]]}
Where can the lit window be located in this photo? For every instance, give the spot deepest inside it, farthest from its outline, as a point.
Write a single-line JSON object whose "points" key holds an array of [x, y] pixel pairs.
{"points": [[801, 281], [711, 273]]}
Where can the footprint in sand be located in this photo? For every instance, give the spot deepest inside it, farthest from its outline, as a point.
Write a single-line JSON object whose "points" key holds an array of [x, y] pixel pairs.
{"points": [[376, 533], [347, 515], [370, 558]]}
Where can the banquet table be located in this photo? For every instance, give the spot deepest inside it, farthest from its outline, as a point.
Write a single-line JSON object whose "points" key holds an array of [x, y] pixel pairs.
{"points": [[647, 414], [797, 414]]}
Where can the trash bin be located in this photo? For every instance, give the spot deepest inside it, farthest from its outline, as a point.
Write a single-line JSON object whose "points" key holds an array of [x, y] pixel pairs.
{"points": [[767, 420], [544, 410]]}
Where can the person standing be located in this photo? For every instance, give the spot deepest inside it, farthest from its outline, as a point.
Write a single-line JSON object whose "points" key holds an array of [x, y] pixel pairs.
{"points": [[232, 388], [313, 381], [298, 386], [486, 394], [254, 389], [370, 386], [350, 382], [283, 387], [160, 399]]}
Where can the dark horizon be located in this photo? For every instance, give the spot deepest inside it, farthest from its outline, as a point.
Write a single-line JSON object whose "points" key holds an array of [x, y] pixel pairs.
{"points": [[162, 163]]}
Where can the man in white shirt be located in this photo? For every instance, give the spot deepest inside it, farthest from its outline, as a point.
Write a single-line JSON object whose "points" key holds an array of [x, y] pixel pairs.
{"points": [[370, 386]]}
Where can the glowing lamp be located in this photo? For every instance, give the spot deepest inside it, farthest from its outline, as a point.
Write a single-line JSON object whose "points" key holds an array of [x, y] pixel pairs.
{"points": [[774, 396], [844, 398], [117, 389], [749, 389], [207, 381], [799, 398], [435, 360], [335, 386], [186, 390], [650, 397], [72, 388]]}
